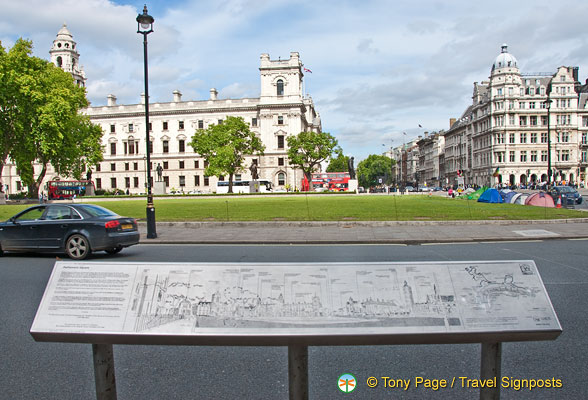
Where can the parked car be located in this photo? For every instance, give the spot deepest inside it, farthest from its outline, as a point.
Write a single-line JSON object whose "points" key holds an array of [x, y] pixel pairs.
{"points": [[409, 188], [74, 229], [567, 193]]}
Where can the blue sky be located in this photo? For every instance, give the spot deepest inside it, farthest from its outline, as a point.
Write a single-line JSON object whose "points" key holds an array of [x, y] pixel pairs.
{"points": [[380, 67]]}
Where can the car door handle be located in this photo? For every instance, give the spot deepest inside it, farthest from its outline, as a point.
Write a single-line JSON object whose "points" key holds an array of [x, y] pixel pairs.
{"points": [[32, 227], [63, 225]]}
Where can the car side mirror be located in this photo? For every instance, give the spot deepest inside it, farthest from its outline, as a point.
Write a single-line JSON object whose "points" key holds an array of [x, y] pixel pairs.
{"points": [[13, 220]]}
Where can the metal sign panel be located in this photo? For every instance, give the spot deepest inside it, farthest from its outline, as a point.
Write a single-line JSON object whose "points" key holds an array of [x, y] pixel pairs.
{"points": [[284, 303]]}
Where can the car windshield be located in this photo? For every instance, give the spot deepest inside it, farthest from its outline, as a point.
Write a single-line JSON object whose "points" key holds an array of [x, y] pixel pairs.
{"points": [[566, 189], [97, 211]]}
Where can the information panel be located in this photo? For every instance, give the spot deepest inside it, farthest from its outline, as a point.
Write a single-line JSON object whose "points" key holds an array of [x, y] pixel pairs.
{"points": [[342, 303]]}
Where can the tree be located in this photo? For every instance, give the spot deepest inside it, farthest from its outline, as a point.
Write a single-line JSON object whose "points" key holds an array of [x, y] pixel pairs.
{"points": [[224, 147], [339, 163], [308, 149], [40, 119], [373, 167]]}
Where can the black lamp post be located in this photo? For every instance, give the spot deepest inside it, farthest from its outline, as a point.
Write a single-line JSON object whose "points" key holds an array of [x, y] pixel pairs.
{"points": [[548, 106], [145, 27]]}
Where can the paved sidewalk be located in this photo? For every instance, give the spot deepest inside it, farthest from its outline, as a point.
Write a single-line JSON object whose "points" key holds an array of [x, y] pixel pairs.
{"points": [[402, 232]]}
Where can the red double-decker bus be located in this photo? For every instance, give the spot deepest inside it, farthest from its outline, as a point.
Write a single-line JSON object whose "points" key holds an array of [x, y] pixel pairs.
{"points": [[327, 181], [64, 190]]}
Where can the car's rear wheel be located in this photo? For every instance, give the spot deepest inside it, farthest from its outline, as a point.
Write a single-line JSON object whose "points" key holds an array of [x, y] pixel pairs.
{"points": [[77, 247], [114, 250]]}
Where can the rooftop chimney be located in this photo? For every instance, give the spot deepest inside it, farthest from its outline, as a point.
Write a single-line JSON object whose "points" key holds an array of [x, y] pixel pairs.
{"points": [[213, 94], [451, 122], [177, 96], [111, 100]]}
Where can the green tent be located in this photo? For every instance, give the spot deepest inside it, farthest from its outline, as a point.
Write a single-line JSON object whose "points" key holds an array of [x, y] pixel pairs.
{"points": [[475, 195]]}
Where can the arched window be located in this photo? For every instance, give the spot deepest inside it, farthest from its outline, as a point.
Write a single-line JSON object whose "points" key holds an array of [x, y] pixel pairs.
{"points": [[59, 62], [280, 87], [281, 179]]}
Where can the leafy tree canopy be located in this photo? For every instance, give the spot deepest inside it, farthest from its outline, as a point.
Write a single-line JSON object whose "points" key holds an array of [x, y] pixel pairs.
{"points": [[374, 167], [340, 163], [39, 118], [308, 149], [225, 146]]}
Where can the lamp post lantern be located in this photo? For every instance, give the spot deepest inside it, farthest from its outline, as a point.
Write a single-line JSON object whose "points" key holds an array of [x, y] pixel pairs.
{"points": [[145, 27]]}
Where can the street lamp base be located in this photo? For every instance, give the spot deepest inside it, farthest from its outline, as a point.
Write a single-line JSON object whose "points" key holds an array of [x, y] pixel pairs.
{"points": [[151, 231]]}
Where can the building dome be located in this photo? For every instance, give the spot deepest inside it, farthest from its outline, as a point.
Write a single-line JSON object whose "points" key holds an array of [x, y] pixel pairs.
{"points": [[504, 59]]}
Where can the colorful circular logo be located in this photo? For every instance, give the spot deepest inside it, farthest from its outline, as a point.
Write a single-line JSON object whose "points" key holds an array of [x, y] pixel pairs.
{"points": [[346, 383]]}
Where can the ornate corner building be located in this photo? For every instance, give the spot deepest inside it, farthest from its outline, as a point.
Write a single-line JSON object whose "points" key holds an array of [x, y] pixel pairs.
{"points": [[280, 111], [509, 135]]}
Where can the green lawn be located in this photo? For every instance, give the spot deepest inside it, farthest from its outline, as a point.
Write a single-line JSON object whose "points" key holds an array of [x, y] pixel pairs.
{"points": [[325, 208]]}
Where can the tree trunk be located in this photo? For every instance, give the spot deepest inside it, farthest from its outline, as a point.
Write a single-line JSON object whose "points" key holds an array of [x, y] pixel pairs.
{"points": [[230, 183], [34, 191]]}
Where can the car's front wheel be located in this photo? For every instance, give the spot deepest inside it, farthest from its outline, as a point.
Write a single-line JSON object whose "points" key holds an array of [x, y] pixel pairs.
{"points": [[77, 247]]}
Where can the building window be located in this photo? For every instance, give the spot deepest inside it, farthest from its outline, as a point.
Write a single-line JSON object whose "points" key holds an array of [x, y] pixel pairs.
{"points": [[511, 138], [98, 183], [206, 181], [135, 166], [531, 104], [584, 138], [127, 182], [166, 146], [131, 127], [511, 119], [565, 137], [523, 156], [533, 138], [237, 177], [112, 128], [113, 166], [150, 147], [543, 137], [584, 159], [98, 167], [196, 164], [280, 142], [585, 122], [200, 124], [112, 149], [511, 156], [165, 125], [150, 126], [181, 125], [135, 182], [522, 121], [280, 120], [182, 146], [205, 164], [181, 164], [280, 161], [280, 87], [253, 121], [534, 156], [533, 120], [196, 180], [220, 121], [127, 166], [281, 179], [523, 138], [165, 165], [113, 183], [499, 92], [543, 155], [182, 181]]}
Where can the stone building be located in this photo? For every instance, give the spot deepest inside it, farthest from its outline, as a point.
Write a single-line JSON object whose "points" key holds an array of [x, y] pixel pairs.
{"points": [[509, 135], [280, 111]]}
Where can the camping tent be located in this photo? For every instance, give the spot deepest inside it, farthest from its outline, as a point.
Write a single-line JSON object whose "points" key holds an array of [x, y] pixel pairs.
{"points": [[520, 198], [476, 195], [490, 196], [508, 196], [540, 199]]}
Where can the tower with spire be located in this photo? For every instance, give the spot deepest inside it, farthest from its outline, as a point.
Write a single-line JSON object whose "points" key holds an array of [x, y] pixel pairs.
{"points": [[65, 55]]}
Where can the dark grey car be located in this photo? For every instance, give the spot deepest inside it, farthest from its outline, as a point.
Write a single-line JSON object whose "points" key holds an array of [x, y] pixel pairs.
{"points": [[76, 229]]}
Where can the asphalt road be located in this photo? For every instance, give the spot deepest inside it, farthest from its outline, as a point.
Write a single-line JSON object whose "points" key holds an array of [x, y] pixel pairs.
{"points": [[31, 370]]}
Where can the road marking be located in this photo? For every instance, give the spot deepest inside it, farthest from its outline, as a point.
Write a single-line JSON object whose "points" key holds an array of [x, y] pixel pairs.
{"points": [[536, 232], [579, 239], [513, 241], [446, 243]]}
